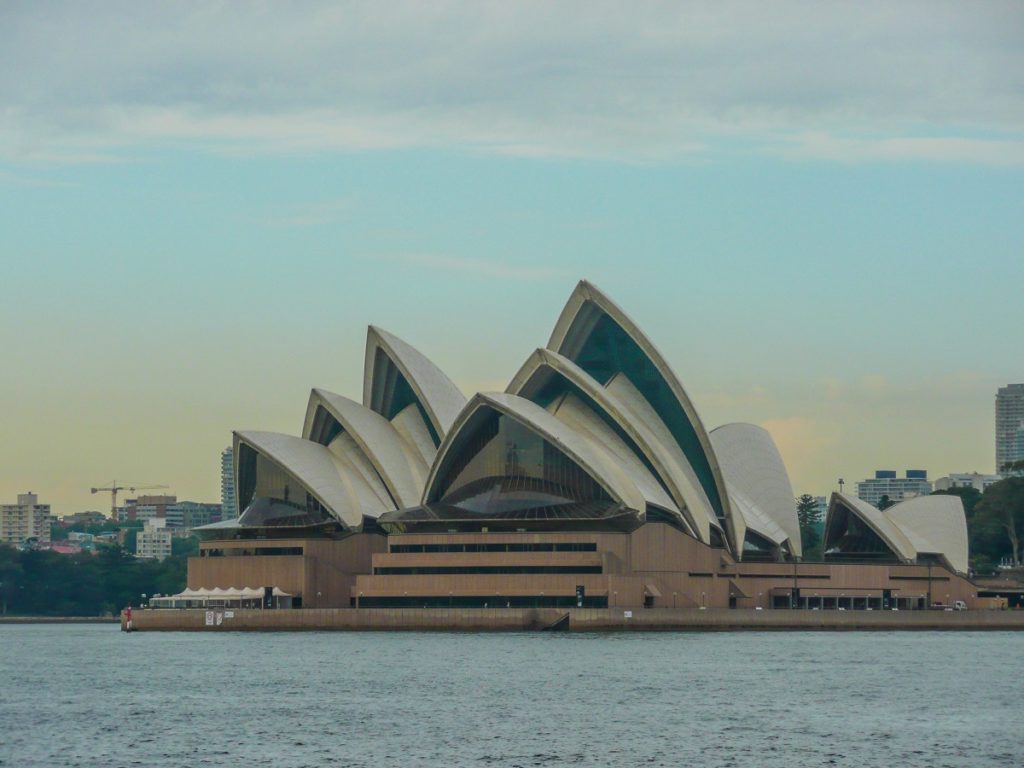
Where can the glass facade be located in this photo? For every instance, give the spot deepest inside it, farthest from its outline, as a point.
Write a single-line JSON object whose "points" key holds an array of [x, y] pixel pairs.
{"points": [[505, 467], [608, 350], [396, 393], [849, 538], [271, 496]]}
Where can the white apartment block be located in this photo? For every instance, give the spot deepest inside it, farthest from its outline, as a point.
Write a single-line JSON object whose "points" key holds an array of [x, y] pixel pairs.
{"points": [[966, 480], [885, 483], [154, 540], [28, 519]]}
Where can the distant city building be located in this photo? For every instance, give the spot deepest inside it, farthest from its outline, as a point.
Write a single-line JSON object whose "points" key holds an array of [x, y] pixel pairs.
{"points": [[885, 483], [1009, 425], [90, 517], [192, 514], [154, 540], [28, 519], [966, 480], [148, 507], [229, 509], [81, 539]]}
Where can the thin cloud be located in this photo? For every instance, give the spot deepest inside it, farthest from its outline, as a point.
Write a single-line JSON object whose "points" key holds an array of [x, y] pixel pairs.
{"points": [[948, 149], [930, 82]]}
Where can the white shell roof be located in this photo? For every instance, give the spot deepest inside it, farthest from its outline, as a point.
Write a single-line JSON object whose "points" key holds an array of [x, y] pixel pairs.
{"points": [[889, 532], [319, 471], [574, 413], [934, 525], [685, 479], [438, 395], [595, 461], [755, 518], [666, 457], [753, 467], [398, 463], [573, 327]]}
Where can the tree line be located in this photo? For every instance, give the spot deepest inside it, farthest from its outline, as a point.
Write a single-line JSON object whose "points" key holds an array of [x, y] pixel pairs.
{"points": [[44, 583]]}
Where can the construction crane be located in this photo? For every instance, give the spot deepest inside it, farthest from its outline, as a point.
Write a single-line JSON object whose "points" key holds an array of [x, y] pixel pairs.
{"points": [[113, 488]]}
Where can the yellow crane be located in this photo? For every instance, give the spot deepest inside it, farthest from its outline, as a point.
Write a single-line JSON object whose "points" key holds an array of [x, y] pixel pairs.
{"points": [[113, 488]]}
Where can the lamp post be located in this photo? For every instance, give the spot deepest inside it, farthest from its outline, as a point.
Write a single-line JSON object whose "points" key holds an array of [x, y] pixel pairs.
{"points": [[673, 601]]}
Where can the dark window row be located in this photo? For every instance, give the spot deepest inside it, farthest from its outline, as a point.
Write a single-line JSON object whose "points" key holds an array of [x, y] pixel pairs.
{"points": [[801, 576], [583, 546], [257, 551], [481, 601], [436, 570]]}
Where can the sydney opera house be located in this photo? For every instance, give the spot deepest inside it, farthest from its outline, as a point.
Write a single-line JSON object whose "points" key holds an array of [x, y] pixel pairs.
{"points": [[591, 481]]}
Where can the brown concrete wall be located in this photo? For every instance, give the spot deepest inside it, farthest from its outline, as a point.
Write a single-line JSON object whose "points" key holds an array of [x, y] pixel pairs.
{"points": [[285, 571], [323, 575], [349, 619], [656, 561], [581, 620]]}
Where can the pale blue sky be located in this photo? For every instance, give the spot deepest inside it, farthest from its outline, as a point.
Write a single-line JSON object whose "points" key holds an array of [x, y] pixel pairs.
{"points": [[819, 224]]}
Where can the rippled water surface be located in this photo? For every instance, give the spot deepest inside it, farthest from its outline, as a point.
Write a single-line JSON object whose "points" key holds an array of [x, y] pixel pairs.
{"points": [[92, 696]]}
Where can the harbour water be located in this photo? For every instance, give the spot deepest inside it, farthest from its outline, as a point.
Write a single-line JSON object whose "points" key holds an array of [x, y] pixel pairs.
{"points": [[89, 695]]}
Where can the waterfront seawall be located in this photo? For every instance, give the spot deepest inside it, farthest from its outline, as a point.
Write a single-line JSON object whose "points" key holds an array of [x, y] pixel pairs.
{"points": [[575, 620]]}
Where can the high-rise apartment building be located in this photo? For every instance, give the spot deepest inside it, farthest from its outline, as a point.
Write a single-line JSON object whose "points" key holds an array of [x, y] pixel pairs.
{"points": [[885, 483], [228, 508], [28, 519], [1009, 422], [154, 540]]}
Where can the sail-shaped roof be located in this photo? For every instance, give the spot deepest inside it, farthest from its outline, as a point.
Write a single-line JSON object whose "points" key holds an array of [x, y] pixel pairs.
{"points": [[310, 466], [398, 463], [753, 468], [591, 458], [597, 335], [891, 535], [547, 374], [396, 375], [935, 525]]}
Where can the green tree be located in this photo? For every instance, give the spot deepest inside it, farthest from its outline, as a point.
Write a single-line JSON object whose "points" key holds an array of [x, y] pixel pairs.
{"points": [[885, 502], [10, 575], [809, 515], [1002, 509], [187, 547]]}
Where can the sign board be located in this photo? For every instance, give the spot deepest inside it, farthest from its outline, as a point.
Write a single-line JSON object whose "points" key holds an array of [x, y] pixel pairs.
{"points": [[209, 618], [220, 618], [627, 614], [229, 614]]}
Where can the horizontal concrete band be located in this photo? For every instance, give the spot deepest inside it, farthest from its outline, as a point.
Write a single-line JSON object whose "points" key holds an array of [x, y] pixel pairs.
{"points": [[585, 619]]}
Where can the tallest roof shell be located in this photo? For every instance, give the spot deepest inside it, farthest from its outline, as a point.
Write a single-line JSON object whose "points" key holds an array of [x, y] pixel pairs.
{"points": [[595, 333]]}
